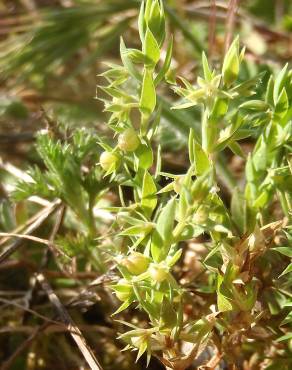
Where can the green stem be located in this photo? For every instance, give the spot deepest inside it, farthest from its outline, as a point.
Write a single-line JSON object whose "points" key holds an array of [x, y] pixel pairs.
{"points": [[205, 130], [284, 204], [181, 225]]}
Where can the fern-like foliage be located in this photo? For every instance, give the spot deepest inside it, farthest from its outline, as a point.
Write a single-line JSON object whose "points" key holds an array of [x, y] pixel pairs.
{"points": [[71, 173]]}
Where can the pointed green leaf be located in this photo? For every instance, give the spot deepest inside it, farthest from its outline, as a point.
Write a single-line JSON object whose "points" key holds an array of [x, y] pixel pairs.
{"points": [[255, 105], [144, 156], [279, 83], [151, 48], [141, 22], [206, 68], [236, 149], [270, 91], [223, 302], [127, 62], [162, 236], [142, 349], [166, 64], [287, 270], [201, 161], [149, 198], [148, 94], [231, 63], [286, 251], [282, 105]]}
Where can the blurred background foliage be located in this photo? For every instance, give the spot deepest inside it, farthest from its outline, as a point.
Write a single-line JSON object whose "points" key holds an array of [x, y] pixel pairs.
{"points": [[51, 55]]}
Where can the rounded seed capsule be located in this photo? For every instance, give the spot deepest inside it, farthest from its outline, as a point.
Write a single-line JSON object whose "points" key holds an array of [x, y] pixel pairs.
{"points": [[136, 263], [128, 141], [158, 273], [123, 290], [201, 216], [109, 161]]}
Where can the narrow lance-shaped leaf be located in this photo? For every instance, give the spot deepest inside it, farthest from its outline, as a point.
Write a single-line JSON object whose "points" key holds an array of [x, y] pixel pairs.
{"points": [[231, 62], [282, 105], [141, 22], [269, 92], [279, 83], [166, 64], [206, 68], [236, 149]]}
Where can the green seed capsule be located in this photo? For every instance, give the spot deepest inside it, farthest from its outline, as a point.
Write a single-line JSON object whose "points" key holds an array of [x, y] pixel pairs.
{"points": [[158, 273], [136, 263], [201, 216], [109, 161], [123, 290], [128, 141]]}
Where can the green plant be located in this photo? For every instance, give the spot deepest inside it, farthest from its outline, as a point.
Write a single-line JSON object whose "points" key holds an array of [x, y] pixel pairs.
{"points": [[240, 301]]}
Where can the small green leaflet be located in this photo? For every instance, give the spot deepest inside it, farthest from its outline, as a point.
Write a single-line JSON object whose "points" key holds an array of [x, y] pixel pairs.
{"points": [[148, 94], [285, 337], [127, 62], [238, 210], [282, 105], [223, 302], [279, 83], [206, 68], [166, 64], [162, 236], [286, 251], [287, 270], [144, 156], [231, 62], [201, 161], [151, 48], [149, 198]]}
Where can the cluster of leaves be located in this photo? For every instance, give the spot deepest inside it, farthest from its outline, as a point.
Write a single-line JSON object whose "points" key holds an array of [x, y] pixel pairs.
{"points": [[246, 242], [64, 177]]}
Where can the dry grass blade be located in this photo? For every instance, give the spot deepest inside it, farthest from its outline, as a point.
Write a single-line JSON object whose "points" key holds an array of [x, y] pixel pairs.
{"points": [[72, 328], [212, 28], [230, 23], [14, 246], [54, 328], [38, 240], [22, 226], [33, 312]]}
